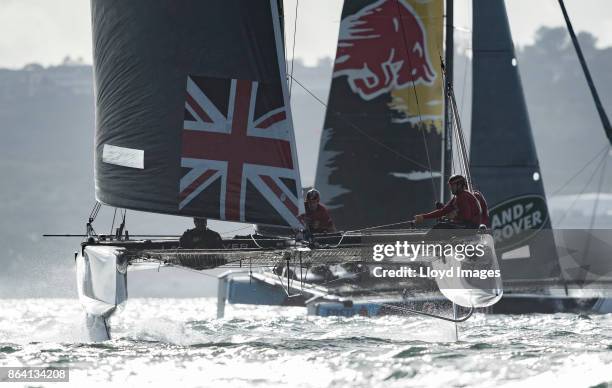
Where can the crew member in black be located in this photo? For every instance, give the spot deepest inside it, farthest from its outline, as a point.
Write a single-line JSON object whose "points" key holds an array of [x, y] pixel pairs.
{"points": [[201, 237]]}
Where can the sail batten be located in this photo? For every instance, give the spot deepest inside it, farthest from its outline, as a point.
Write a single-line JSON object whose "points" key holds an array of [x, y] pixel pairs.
{"points": [[197, 91]]}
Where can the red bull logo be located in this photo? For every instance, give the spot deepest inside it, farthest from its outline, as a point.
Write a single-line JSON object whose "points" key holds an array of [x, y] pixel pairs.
{"points": [[383, 47]]}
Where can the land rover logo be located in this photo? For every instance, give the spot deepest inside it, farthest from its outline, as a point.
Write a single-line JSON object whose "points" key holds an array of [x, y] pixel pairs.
{"points": [[517, 219]]}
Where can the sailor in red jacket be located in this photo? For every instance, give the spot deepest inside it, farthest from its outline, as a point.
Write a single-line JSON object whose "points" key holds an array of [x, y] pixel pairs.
{"points": [[316, 218], [463, 209], [484, 208]]}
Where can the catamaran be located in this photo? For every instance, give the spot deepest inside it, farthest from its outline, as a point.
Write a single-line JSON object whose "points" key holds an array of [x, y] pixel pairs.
{"points": [[377, 164], [193, 119]]}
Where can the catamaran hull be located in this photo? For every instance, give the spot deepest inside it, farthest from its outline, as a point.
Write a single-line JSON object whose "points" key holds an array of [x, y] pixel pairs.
{"points": [[243, 289], [539, 304], [240, 288], [101, 273]]}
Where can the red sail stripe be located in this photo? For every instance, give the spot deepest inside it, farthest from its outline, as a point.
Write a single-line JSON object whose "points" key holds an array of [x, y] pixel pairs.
{"points": [[196, 107], [242, 103], [274, 187], [237, 148], [196, 183], [280, 116]]}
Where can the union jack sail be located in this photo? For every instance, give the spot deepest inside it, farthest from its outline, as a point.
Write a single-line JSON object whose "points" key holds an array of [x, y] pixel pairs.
{"points": [[238, 153]]}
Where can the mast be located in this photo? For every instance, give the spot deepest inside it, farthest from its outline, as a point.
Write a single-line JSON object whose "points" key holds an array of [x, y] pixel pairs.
{"points": [[587, 74], [447, 142]]}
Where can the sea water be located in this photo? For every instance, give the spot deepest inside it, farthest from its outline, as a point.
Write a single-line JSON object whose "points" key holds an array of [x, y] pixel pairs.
{"points": [[180, 342]]}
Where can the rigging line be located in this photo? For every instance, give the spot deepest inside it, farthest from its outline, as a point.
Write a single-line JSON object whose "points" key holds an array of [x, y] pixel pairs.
{"points": [[416, 98], [358, 129], [94, 211], [348, 281], [582, 191], [186, 269], [297, 2], [597, 155], [348, 232], [454, 157], [447, 138], [255, 241], [236, 230], [87, 234], [456, 122], [458, 128], [121, 229], [457, 162], [381, 226], [601, 180], [89, 229], [595, 206], [460, 135], [465, 67], [341, 238], [113, 223], [587, 74], [467, 22], [463, 163], [281, 283], [458, 152]]}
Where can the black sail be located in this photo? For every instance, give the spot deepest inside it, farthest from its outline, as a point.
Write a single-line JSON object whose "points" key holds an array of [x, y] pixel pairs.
{"points": [[503, 157], [192, 115], [380, 151]]}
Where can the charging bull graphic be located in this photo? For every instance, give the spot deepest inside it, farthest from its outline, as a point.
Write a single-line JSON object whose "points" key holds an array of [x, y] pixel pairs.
{"points": [[383, 47], [375, 109]]}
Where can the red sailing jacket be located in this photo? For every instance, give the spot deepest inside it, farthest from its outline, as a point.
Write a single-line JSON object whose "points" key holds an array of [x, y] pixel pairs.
{"points": [[484, 214], [465, 207], [318, 221]]}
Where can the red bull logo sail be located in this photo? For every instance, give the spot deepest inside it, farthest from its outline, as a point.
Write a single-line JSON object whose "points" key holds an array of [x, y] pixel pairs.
{"points": [[393, 46]]}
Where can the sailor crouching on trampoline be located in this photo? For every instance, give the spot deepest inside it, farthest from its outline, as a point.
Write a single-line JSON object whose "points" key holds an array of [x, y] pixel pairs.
{"points": [[464, 210], [201, 237], [316, 218]]}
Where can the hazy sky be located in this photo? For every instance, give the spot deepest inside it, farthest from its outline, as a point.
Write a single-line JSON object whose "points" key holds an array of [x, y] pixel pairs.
{"points": [[45, 31]]}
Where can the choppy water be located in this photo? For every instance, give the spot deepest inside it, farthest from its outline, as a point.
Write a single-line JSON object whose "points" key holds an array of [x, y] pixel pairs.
{"points": [[179, 342]]}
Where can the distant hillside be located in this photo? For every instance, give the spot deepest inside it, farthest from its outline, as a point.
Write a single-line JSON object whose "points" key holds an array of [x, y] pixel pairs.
{"points": [[565, 123], [566, 126]]}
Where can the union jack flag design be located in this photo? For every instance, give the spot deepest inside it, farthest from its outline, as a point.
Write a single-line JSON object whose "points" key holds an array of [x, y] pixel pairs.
{"points": [[237, 153]]}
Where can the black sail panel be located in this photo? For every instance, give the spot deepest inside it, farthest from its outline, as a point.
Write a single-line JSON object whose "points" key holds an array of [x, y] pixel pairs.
{"points": [[192, 110], [503, 157], [380, 151]]}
